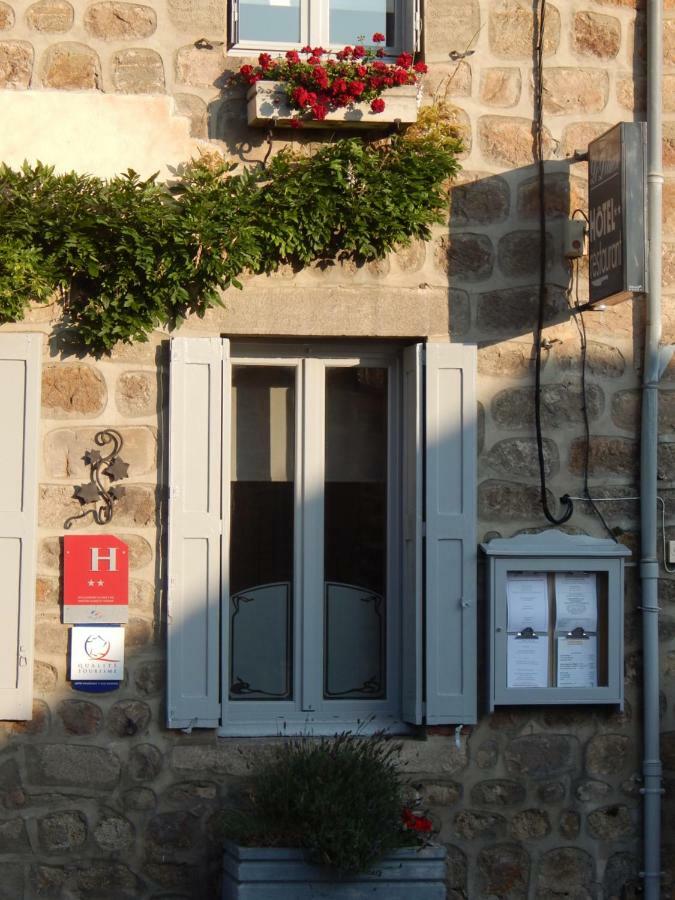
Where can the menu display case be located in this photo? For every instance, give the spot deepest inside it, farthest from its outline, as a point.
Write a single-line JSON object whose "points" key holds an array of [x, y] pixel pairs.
{"points": [[555, 619]]}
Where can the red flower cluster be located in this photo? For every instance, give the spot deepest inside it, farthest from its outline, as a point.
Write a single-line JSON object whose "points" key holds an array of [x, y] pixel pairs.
{"points": [[415, 822], [323, 82]]}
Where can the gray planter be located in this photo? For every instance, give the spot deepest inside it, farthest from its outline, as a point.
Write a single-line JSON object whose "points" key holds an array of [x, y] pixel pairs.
{"points": [[264, 873]]}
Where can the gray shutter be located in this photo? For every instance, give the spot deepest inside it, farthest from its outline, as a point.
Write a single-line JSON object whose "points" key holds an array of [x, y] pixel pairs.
{"points": [[411, 620], [19, 411], [450, 508], [199, 392]]}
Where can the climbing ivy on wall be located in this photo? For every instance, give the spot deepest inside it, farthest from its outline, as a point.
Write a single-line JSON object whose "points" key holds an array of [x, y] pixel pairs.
{"points": [[129, 254]]}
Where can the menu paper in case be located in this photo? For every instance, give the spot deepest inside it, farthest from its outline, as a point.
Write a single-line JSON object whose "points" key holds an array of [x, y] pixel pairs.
{"points": [[577, 662], [527, 601], [576, 597], [526, 662]]}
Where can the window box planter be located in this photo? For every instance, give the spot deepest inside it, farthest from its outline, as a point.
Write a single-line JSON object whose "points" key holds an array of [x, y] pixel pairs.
{"points": [[267, 105], [271, 873]]}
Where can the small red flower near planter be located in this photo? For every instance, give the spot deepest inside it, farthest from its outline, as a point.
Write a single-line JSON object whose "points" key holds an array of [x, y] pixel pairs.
{"points": [[313, 85]]}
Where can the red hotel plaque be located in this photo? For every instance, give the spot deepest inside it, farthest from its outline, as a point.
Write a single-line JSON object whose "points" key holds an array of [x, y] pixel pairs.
{"points": [[95, 579]]}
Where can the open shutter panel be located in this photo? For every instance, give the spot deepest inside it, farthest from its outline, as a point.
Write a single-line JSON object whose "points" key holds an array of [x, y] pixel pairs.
{"points": [[412, 621], [198, 385], [450, 507], [19, 410]]}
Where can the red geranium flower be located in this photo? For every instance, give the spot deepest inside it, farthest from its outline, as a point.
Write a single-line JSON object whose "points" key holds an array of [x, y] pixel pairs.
{"points": [[377, 106], [265, 60], [379, 52], [378, 38], [356, 88], [306, 49], [404, 60], [359, 51], [339, 86], [292, 56], [319, 51], [421, 67], [319, 111], [246, 71]]}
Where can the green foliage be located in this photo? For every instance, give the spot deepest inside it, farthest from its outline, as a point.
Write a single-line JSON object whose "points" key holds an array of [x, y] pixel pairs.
{"points": [[131, 254], [340, 799]]}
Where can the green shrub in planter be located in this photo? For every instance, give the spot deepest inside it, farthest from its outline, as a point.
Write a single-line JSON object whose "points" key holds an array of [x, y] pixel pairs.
{"points": [[339, 799]]}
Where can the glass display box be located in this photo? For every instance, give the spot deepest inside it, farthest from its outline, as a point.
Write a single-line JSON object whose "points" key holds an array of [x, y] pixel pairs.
{"points": [[555, 619]]}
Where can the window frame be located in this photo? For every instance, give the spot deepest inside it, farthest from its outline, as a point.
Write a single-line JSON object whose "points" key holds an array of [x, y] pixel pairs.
{"points": [[309, 710], [314, 25]]}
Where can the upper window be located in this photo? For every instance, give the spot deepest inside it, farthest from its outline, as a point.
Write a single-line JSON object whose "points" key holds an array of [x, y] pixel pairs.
{"points": [[284, 24], [321, 536]]}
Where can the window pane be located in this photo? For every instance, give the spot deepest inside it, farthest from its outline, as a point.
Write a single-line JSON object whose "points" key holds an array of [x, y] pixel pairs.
{"points": [[261, 544], [356, 21], [269, 20], [355, 533]]}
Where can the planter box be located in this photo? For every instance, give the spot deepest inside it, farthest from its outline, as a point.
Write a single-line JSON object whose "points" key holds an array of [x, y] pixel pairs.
{"points": [[259, 873], [267, 105]]}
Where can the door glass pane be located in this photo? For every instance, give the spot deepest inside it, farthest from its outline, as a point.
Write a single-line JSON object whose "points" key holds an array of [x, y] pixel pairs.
{"points": [[261, 543], [355, 533], [270, 20], [356, 21]]}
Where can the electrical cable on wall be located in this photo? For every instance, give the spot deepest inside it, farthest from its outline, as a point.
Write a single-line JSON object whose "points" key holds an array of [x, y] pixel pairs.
{"points": [[540, 17]]}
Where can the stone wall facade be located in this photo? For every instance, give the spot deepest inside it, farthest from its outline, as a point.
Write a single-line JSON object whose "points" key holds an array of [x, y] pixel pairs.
{"points": [[97, 798]]}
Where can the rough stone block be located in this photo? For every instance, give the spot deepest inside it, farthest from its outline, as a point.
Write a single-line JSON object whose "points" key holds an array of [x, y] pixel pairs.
{"points": [[123, 883], [596, 35], [578, 135], [135, 509], [436, 754], [138, 71], [16, 64], [71, 67], [470, 824], [622, 876], [72, 389], [13, 836], [170, 833], [551, 791], [500, 87], [465, 257], [562, 195], [570, 867], [560, 405], [200, 67], [498, 792], [411, 257], [568, 91], [505, 502], [530, 824], [51, 636], [201, 17], [113, 21], [51, 16], [196, 110], [487, 755], [507, 140], [6, 17], [128, 718], [510, 359], [80, 716], [114, 833], [480, 199], [569, 824], [450, 25], [519, 456], [503, 871], [47, 593], [518, 253], [45, 677], [150, 677], [188, 793], [13, 880], [136, 393], [139, 632], [72, 765], [592, 791], [602, 360], [608, 456], [610, 823], [511, 25], [511, 312], [542, 755], [448, 80], [145, 762], [65, 449], [62, 832], [139, 799]]}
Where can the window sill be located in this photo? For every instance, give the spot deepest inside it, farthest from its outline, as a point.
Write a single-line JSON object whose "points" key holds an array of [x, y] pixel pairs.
{"points": [[267, 106]]}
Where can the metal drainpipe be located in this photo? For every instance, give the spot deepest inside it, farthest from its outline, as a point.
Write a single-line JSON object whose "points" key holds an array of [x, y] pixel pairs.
{"points": [[649, 566]]}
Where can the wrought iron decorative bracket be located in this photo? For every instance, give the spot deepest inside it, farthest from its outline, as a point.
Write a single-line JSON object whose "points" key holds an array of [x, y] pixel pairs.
{"points": [[94, 491]]}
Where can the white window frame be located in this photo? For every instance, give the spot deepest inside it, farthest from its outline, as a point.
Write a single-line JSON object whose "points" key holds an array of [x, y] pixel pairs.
{"points": [[432, 544], [314, 25], [309, 711]]}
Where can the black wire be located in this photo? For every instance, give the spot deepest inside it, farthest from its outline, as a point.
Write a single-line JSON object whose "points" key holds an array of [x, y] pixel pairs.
{"points": [[581, 328], [539, 153]]}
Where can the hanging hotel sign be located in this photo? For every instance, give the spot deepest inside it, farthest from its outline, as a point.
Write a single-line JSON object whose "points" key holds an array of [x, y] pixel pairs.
{"points": [[616, 201], [96, 653], [95, 579]]}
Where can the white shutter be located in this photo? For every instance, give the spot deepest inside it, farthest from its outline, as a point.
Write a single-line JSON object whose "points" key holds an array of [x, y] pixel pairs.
{"points": [[199, 392], [19, 410], [412, 621], [450, 509]]}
